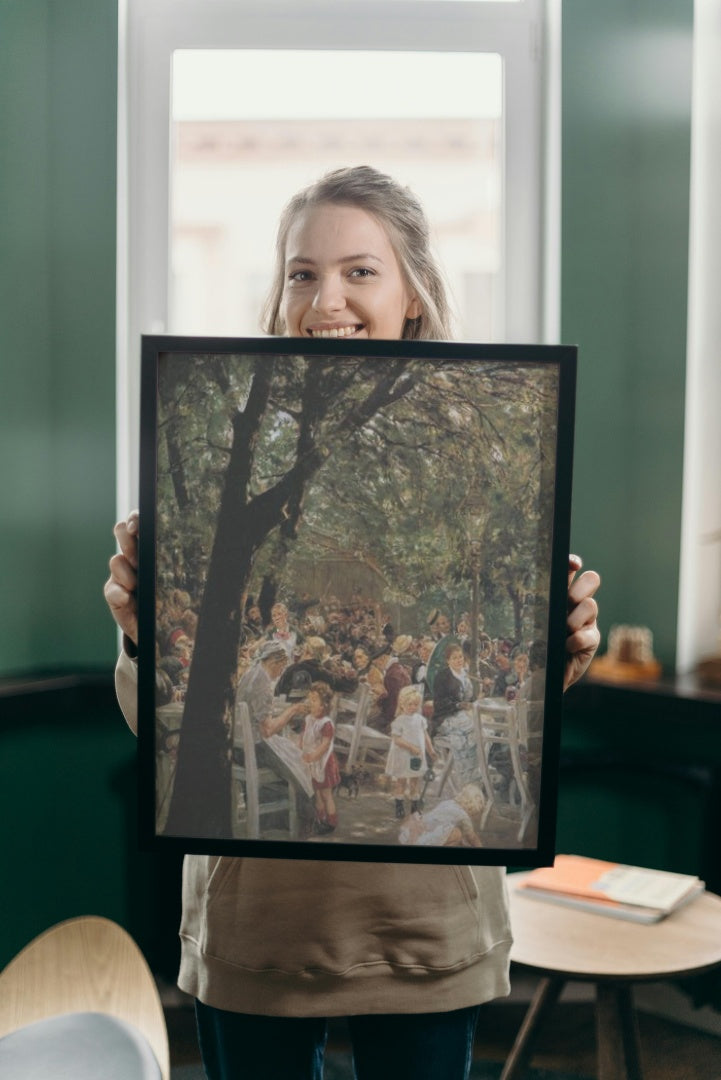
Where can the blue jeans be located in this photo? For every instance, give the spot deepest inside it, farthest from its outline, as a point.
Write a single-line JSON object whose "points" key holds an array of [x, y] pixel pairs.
{"points": [[406, 1046]]}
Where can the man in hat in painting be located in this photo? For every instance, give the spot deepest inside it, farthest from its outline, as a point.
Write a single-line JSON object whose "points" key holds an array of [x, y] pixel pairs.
{"points": [[404, 653], [311, 667], [395, 677], [438, 623]]}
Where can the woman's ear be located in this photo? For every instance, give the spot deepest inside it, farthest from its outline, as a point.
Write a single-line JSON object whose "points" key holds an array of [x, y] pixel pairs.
{"points": [[415, 309]]}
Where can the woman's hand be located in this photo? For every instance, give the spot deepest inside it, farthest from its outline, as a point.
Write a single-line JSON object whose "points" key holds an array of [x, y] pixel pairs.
{"points": [[121, 587], [583, 636]]}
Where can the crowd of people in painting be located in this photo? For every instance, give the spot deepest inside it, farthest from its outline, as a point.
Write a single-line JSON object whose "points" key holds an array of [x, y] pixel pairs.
{"points": [[421, 686]]}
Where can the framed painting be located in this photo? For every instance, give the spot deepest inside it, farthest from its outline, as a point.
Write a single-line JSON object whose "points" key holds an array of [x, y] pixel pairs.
{"points": [[352, 597]]}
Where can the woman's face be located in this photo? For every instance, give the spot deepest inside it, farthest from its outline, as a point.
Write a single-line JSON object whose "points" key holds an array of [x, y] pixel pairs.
{"points": [[520, 665], [360, 658], [342, 277], [456, 661]]}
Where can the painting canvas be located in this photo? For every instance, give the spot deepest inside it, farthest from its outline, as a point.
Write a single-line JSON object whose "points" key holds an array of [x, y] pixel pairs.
{"points": [[352, 596]]}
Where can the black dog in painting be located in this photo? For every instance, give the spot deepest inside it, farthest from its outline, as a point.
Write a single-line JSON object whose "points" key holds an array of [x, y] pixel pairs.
{"points": [[350, 782]]}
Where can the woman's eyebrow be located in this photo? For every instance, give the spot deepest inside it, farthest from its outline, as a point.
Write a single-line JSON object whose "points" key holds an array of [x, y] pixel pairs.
{"points": [[361, 257]]}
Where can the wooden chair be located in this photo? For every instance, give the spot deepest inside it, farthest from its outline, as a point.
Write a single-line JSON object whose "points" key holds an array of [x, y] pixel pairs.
{"points": [[499, 724], [248, 781], [443, 767], [83, 985], [355, 738]]}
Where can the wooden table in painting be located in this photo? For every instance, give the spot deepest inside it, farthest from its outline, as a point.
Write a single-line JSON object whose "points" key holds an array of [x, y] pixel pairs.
{"points": [[563, 944]]}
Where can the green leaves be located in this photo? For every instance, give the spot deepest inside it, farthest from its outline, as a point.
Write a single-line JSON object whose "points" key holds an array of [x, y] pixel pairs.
{"points": [[411, 462]]}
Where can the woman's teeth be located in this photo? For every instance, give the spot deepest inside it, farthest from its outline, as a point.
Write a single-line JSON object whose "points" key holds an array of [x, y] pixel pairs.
{"points": [[336, 332]]}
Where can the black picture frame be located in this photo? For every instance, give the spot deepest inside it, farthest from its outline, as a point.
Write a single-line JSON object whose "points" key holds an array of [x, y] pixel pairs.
{"points": [[368, 487]]}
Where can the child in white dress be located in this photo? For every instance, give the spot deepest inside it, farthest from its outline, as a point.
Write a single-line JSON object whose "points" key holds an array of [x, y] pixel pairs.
{"points": [[410, 749]]}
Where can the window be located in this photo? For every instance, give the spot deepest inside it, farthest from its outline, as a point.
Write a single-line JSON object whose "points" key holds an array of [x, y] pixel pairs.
{"points": [[237, 156], [227, 107]]}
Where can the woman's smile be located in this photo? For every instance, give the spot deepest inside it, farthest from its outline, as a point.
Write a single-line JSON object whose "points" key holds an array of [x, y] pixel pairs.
{"points": [[334, 331]]}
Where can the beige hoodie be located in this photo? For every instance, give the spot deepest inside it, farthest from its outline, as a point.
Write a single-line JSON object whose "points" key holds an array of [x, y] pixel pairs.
{"points": [[317, 938]]}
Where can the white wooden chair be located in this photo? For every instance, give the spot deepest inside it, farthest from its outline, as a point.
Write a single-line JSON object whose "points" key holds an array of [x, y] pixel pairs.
{"points": [[500, 724], [443, 767], [248, 781], [355, 738], [80, 1001]]}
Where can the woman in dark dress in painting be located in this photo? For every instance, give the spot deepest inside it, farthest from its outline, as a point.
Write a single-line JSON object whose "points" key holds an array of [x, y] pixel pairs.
{"points": [[453, 692]]}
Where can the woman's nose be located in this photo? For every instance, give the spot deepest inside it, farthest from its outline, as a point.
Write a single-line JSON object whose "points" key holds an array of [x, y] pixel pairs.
{"points": [[329, 296]]}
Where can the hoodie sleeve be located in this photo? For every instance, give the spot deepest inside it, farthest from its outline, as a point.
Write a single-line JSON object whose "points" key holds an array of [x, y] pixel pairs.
{"points": [[126, 688]]}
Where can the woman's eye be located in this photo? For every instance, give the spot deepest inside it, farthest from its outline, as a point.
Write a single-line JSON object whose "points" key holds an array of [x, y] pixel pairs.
{"points": [[362, 272], [300, 276]]}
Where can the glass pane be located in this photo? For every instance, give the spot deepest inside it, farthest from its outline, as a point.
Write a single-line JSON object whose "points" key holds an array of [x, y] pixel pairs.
{"points": [[250, 128]]}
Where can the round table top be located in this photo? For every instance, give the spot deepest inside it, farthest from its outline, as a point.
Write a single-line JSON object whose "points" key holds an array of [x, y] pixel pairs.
{"points": [[559, 940]]}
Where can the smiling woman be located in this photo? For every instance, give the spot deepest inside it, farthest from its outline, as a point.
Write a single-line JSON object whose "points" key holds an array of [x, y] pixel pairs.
{"points": [[353, 259]]}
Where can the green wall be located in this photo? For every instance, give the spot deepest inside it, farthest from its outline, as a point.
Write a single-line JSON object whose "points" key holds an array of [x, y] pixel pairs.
{"points": [[626, 145], [58, 75]]}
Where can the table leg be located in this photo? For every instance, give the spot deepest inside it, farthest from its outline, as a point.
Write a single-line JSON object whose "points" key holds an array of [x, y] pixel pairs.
{"points": [[617, 1033], [545, 997]]}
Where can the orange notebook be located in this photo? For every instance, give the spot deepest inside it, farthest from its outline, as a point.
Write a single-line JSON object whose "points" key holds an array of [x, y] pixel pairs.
{"points": [[631, 892]]}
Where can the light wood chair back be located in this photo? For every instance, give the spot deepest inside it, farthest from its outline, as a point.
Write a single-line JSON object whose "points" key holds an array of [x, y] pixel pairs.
{"points": [[86, 964]]}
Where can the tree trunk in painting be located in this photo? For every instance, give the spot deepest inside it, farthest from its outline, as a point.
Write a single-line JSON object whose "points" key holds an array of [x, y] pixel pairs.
{"points": [[200, 804]]}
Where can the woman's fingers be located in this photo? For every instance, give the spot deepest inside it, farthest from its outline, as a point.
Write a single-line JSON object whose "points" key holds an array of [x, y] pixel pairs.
{"points": [[126, 534], [120, 588], [583, 636]]}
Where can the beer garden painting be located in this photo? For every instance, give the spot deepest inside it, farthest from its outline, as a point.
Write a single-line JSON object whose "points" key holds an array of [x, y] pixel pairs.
{"points": [[352, 597]]}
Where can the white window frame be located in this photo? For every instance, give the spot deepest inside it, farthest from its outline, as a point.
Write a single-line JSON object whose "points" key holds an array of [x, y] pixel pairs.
{"points": [[699, 596], [526, 34]]}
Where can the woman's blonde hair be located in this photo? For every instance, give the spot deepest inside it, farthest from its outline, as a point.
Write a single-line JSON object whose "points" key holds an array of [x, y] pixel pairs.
{"points": [[316, 646], [402, 216]]}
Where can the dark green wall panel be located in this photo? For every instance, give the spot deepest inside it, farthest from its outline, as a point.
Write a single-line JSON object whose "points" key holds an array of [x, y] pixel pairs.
{"points": [[626, 145], [58, 78], [68, 800]]}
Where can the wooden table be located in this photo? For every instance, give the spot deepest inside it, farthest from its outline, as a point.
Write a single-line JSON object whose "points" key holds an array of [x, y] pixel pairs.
{"points": [[563, 944]]}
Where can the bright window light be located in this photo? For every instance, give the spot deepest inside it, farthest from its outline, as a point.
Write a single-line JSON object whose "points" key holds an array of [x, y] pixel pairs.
{"points": [[434, 121]]}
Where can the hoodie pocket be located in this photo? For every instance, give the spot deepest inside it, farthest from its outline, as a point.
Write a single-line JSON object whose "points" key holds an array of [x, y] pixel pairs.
{"points": [[294, 916]]}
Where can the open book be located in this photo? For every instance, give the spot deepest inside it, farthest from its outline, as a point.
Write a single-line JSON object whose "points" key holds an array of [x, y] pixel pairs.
{"points": [[608, 888]]}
